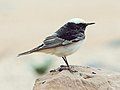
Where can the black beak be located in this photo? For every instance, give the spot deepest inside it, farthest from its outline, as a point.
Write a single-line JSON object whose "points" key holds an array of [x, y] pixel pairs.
{"points": [[89, 23]]}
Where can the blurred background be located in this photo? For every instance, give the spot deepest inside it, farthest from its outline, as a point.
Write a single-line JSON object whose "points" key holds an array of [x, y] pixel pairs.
{"points": [[25, 23]]}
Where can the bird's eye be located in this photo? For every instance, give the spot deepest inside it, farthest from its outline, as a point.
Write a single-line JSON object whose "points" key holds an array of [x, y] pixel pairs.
{"points": [[71, 25]]}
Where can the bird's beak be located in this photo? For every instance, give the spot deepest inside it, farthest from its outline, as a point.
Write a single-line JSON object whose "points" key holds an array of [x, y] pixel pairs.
{"points": [[89, 23]]}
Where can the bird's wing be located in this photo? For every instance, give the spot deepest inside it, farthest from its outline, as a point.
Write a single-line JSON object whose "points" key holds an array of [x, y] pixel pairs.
{"points": [[55, 41], [51, 42]]}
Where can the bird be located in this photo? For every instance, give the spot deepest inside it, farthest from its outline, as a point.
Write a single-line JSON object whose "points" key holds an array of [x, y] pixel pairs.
{"points": [[65, 41]]}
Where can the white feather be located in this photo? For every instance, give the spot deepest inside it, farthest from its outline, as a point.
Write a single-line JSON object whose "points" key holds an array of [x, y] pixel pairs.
{"points": [[64, 50], [76, 20]]}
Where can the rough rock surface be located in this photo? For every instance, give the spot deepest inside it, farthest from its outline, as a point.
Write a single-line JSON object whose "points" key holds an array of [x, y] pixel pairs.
{"points": [[87, 78]]}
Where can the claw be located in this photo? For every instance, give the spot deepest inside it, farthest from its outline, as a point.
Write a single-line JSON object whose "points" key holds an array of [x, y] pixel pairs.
{"points": [[63, 67]]}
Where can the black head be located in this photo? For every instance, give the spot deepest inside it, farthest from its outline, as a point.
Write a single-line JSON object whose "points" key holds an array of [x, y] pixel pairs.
{"points": [[78, 24], [72, 29]]}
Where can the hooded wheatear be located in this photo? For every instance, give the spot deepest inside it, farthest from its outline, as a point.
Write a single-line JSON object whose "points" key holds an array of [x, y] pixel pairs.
{"points": [[65, 41]]}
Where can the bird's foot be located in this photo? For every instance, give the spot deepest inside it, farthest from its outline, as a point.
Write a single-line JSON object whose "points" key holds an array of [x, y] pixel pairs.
{"points": [[63, 67]]}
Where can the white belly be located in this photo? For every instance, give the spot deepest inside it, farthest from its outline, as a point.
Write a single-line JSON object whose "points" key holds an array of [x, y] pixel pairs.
{"points": [[64, 50]]}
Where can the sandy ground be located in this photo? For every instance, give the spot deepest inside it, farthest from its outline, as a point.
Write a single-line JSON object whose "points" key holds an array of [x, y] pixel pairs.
{"points": [[25, 23], [85, 78]]}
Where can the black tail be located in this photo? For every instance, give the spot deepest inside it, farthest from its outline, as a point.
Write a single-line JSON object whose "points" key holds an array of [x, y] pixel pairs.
{"points": [[25, 53], [31, 51]]}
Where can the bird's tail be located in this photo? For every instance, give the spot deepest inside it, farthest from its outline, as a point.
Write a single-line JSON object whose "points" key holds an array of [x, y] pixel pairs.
{"points": [[30, 51]]}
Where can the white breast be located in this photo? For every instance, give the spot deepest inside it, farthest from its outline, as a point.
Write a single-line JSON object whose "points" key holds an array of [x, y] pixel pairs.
{"points": [[64, 50]]}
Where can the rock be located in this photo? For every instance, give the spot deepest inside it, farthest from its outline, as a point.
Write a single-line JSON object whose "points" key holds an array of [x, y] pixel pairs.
{"points": [[86, 78]]}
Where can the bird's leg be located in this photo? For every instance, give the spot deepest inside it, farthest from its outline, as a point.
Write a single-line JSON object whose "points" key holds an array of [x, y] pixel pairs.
{"points": [[65, 59], [63, 67]]}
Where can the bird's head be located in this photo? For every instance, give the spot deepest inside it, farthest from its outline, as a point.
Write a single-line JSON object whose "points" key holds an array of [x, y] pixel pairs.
{"points": [[77, 23]]}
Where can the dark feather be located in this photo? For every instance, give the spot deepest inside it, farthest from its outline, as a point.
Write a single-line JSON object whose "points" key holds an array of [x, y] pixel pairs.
{"points": [[71, 31], [31, 51], [52, 41]]}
